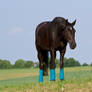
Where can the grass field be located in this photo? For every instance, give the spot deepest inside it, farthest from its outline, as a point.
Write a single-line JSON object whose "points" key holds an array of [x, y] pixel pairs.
{"points": [[78, 79]]}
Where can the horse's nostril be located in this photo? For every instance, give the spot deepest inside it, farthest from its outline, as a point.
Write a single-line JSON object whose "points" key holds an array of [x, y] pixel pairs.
{"points": [[73, 45]]}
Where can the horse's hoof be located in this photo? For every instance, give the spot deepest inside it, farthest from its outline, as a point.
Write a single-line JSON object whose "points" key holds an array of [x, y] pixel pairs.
{"points": [[61, 79]]}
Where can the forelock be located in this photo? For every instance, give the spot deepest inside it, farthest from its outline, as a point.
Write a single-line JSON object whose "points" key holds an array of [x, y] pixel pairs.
{"points": [[59, 19]]}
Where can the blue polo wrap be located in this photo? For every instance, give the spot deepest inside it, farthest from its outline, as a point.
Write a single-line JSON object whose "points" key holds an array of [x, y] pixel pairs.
{"points": [[52, 74], [40, 76], [61, 74]]}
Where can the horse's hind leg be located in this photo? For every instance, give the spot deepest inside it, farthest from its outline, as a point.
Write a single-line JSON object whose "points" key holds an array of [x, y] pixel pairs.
{"points": [[45, 64], [40, 57]]}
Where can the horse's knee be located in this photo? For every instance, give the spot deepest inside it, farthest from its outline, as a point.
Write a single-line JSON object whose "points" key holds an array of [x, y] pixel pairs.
{"points": [[41, 66], [61, 64], [52, 65]]}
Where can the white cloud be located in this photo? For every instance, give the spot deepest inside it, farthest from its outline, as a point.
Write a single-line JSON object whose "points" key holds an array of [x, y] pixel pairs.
{"points": [[16, 30]]}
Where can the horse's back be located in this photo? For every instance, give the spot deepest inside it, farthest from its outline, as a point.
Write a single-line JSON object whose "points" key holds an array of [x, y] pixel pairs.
{"points": [[42, 34]]}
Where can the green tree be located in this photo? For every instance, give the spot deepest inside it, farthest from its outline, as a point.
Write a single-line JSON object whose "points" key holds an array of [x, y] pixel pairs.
{"points": [[29, 64], [71, 62], [0, 63], [68, 62], [85, 64], [91, 64], [36, 64], [19, 64], [5, 64]]}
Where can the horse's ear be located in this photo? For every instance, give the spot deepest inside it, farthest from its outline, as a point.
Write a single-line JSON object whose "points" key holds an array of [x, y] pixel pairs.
{"points": [[66, 20], [73, 23]]}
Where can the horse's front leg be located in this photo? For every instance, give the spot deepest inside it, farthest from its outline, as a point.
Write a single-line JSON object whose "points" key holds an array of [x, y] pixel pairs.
{"points": [[52, 65], [62, 65]]}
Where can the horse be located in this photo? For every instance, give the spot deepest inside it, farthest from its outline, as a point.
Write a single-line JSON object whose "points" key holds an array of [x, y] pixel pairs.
{"points": [[52, 36]]}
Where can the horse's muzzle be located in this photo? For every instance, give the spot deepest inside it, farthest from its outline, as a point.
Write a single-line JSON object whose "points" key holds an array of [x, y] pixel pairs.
{"points": [[73, 45]]}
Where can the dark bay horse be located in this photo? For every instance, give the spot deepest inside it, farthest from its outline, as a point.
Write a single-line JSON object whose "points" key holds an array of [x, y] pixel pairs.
{"points": [[53, 36]]}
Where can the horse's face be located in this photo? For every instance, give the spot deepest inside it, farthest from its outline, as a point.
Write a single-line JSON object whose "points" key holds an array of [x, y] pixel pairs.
{"points": [[70, 34], [66, 30]]}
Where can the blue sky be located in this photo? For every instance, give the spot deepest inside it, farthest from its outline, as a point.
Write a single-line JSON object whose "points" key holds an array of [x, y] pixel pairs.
{"points": [[19, 18]]}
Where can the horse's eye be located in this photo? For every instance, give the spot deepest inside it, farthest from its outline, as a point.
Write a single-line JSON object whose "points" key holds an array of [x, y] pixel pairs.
{"points": [[70, 28]]}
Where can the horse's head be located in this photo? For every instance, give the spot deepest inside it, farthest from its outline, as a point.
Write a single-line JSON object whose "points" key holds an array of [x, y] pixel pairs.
{"points": [[66, 30], [69, 33]]}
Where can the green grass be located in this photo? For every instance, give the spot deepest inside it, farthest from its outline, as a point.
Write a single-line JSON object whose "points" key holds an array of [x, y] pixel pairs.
{"points": [[78, 79]]}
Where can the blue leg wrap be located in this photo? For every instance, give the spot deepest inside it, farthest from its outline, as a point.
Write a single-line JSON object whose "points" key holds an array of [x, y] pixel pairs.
{"points": [[52, 74], [41, 76], [61, 74]]}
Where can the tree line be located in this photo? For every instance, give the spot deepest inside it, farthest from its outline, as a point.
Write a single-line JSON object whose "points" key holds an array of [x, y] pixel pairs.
{"points": [[68, 62]]}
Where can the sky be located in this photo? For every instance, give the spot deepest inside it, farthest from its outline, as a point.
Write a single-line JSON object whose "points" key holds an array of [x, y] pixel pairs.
{"points": [[19, 19]]}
